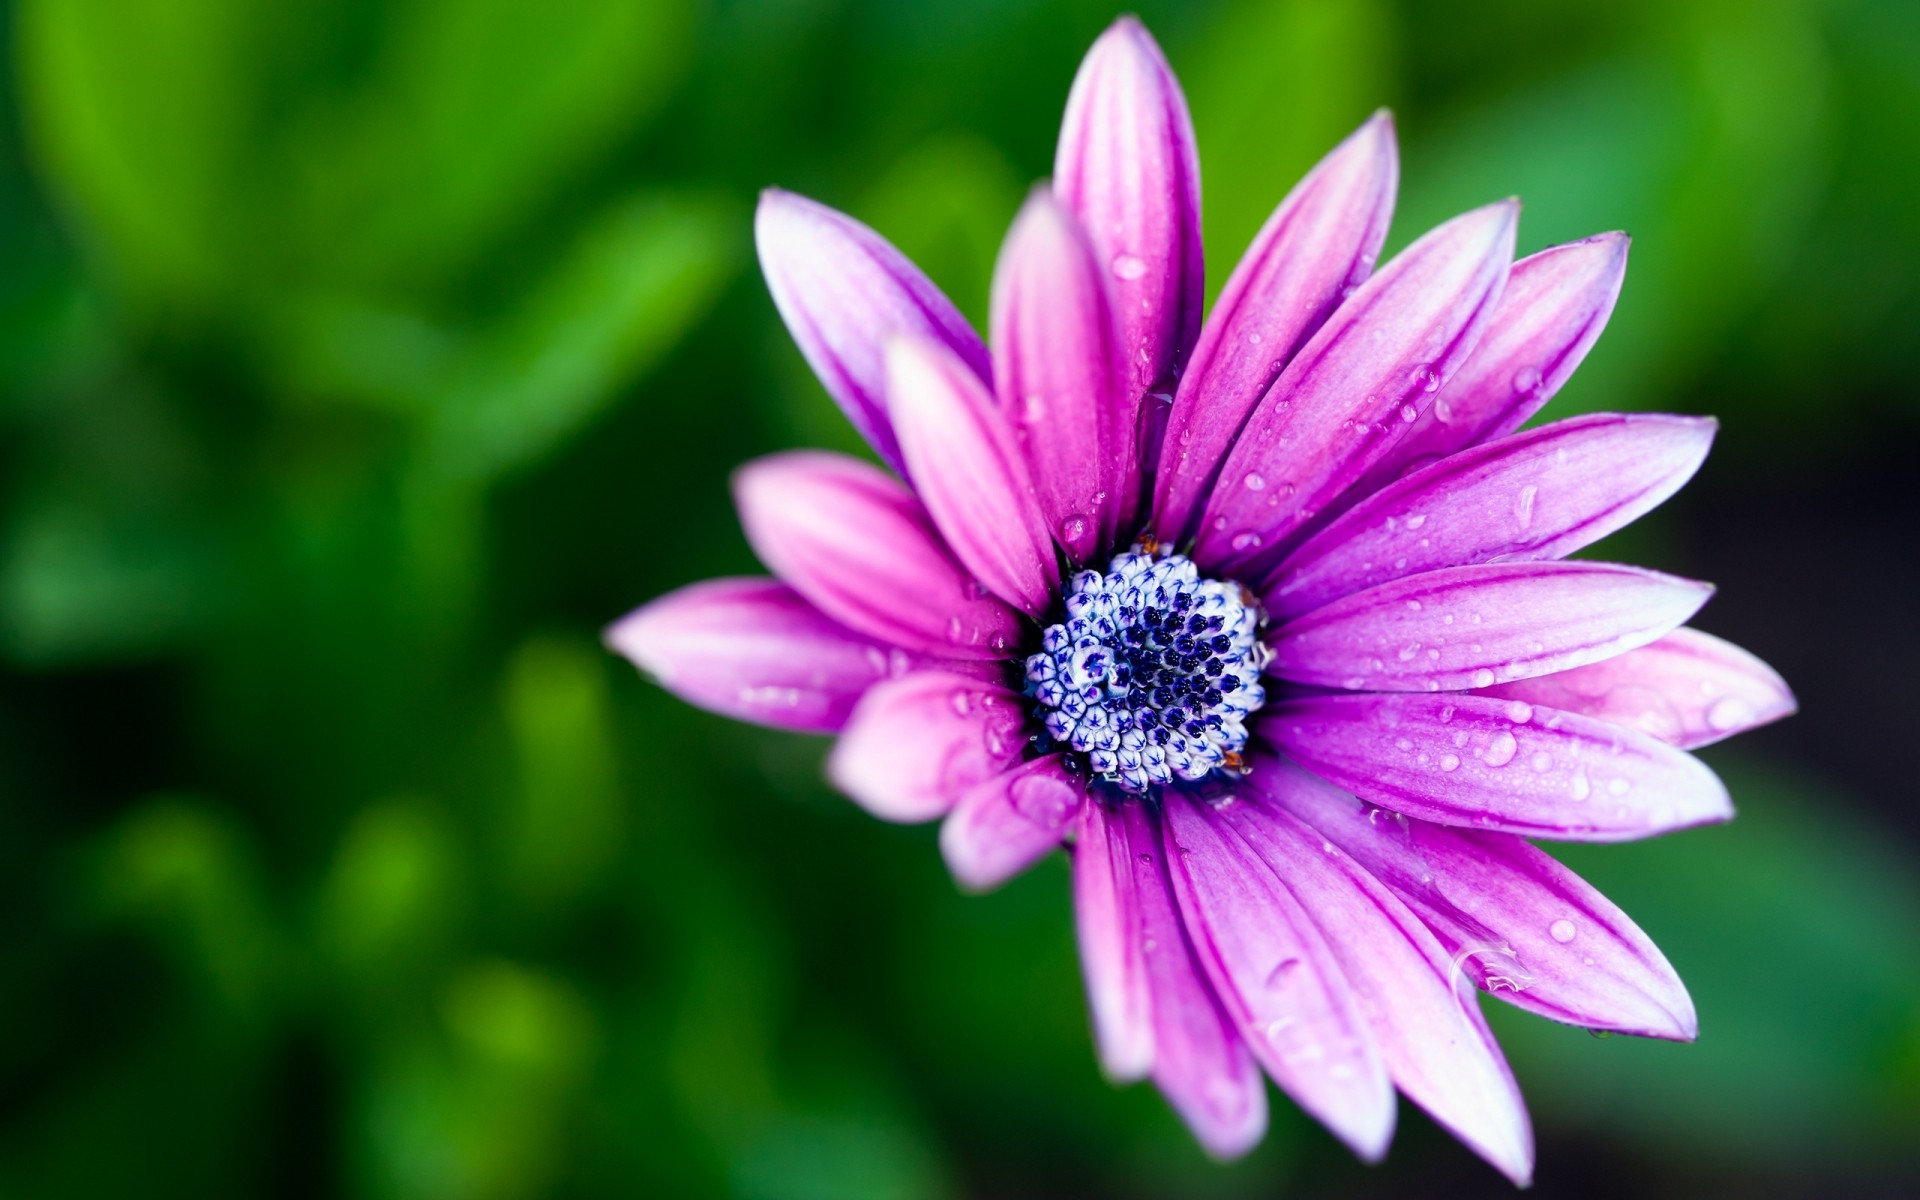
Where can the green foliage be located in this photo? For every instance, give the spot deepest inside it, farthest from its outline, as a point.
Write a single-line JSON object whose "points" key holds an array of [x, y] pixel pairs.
{"points": [[360, 359]]}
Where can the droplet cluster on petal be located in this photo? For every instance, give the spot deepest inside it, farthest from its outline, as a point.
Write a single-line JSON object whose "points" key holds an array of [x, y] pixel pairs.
{"points": [[1153, 673]]}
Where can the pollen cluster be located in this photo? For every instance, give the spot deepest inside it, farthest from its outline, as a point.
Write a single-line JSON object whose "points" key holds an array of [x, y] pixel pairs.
{"points": [[1153, 673]]}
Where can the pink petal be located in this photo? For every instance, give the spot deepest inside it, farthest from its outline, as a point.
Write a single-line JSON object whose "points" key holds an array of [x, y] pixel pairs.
{"points": [[1057, 373], [1126, 166], [1521, 925], [969, 472], [754, 650], [1106, 914], [1464, 627], [1498, 764], [1555, 305], [1316, 248], [1435, 1043], [914, 746], [1278, 979], [1001, 827], [1354, 389], [1689, 689], [1201, 1063], [843, 292], [854, 541], [1536, 495]]}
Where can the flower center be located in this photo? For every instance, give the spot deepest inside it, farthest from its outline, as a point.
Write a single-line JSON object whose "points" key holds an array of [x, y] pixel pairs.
{"points": [[1152, 675]]}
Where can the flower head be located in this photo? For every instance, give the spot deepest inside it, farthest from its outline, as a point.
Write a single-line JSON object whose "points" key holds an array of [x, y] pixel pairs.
{"points": [[1269, 621]]}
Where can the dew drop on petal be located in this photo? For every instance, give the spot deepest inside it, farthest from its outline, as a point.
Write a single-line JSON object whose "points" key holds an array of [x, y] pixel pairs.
{"points": [[1483, 678], [1728, 712], [1526, 379], [1130, 267], [1449, 762], [1562, 931], [1254, 481], [1501, 749]]}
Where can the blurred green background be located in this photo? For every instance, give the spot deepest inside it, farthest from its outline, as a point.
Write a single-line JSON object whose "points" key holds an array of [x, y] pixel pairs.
{"points": [[359, 359]]}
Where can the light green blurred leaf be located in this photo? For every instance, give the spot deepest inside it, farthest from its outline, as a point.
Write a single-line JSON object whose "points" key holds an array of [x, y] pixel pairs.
{"points": [[562, 824], [631, 287], [389, 905], [478, 110], [138, 111]]}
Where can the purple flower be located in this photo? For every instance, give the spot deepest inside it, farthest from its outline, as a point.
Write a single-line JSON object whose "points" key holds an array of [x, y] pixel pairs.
{"points": [[1270, 621]]}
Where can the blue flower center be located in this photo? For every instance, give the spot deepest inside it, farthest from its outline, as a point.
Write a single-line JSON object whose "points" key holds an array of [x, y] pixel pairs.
{"points": [[1153, 674]]}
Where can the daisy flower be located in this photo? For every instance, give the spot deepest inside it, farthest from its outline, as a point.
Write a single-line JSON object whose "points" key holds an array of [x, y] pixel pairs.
{"points": [[1268, 620]]}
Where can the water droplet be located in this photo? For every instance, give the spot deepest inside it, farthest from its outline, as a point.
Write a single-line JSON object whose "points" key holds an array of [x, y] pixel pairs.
{"points": [[1483, 678], [1254, 481], [1073, 529], [1246, 541], [1042, 799], [1416, 520], [1425, 378], [961, 700], [1282, 971], [1501, 749], [1618, 787], [1146, 858], [1542, 761], [1562, 931], [1033, 406], [1409, 413], [1449, 762], [1581, 788], [1408, 651], [1523, 505], [955, 631], [1519, 712], [1526, 379], [1126, 266], [1728, 712], [1253, 339]]}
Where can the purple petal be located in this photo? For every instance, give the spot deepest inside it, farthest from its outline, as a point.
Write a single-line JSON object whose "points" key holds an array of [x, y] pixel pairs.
{"points": [[1278, 979], [754, 650], [1200, 1062], [854, 541], [1498, 764], [1555, 305], [914, 746], [969, 472], [843, 292], [1537, 495], [1466, 627], [1317, 247], [1689, 689], [1126, 166], [1106, 914], [1003, 826], [1435, 1043], [1057, 373], [1521, 925], [1354, 389]]}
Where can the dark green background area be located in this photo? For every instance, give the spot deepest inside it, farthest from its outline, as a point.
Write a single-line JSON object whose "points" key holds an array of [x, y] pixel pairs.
{"points": [[360, 359]]}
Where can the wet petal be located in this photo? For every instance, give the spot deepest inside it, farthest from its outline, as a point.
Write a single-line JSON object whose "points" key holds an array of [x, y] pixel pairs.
{"points": [[969, 472], [755, 650], [1428, 1026], [1689, 689], [1498, 764], [1278, 978], [1536, 495], [1522, 926], [914, 746], [1057, 374], [1465, 627], [1354, 389], [1317, 247], [1555, 305], [1126, 166], [1106, 914], [854, 541], [1001, 827], [1201, 1063], [844, 292]]}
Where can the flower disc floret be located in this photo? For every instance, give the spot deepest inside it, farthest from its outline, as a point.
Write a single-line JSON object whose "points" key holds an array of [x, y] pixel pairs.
{"points": [[1153, 673]]}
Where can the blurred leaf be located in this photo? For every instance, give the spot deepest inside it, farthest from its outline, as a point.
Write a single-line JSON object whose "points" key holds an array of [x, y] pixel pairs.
{"points": [[138, 111], [631, 287], [1273, 87], [180, 868], [388, 907], [479, 110], [563, 823], [1797, 929]]}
